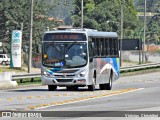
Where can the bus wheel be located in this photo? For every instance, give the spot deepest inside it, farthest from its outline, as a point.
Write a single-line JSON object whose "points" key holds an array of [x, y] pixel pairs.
{"points": [[102, 86], [52, 87], [92, 87], [109, 85], [106, 86]]}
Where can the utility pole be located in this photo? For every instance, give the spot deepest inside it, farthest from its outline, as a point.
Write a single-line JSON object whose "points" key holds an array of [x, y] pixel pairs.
{"points": [[121, 33], [82, 14], [144, 32], [30, 40], [22, 27]]}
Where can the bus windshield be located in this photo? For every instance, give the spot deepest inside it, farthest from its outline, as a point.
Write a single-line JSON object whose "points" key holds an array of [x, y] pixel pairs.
{"points": [[64, 54]]}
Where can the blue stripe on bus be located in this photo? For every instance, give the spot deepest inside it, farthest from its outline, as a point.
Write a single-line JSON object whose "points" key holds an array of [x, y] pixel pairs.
{"points": [[52, 70], [114, 62]]}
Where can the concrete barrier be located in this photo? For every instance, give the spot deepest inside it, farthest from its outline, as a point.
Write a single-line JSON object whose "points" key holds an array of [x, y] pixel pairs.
{"points": [[6, 80]]}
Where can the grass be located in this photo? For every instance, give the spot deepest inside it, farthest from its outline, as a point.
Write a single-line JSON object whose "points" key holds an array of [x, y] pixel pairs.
{"points": [[132, 63], [128, 61], [28, 81], [8, 69], [142, 71]]}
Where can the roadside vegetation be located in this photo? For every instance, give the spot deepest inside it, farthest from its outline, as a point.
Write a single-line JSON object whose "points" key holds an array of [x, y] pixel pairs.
{"points": [[35, 81], [98, 14], [8, 69], [104, 15]]}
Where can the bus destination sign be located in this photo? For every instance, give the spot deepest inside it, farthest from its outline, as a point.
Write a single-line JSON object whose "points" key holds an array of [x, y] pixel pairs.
{"points": [[64, 37]]}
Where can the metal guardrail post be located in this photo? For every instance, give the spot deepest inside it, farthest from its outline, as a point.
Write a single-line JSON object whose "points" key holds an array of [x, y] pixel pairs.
{"points": [[21, 80], [32, 79]]}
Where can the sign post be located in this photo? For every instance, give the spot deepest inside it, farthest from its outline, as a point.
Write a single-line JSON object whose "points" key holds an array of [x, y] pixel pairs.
{"points": [[16, 43]]}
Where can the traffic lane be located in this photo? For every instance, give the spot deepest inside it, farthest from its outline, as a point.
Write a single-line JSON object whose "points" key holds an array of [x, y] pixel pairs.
{"points": [[133, 101], [135, 84], [147, 98], [139, 81], [141, 77], [44, 89], [40, 96], [143, 99], [42, 100]]}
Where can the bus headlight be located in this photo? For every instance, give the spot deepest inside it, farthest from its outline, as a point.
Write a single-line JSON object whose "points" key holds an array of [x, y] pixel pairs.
{"points": [[46, 74], [82, 73]]}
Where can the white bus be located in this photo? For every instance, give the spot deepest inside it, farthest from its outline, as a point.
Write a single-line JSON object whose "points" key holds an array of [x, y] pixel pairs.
{"points": [[78, 58]]}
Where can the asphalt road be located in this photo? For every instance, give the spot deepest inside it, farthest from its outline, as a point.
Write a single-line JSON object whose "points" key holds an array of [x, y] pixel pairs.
{"points": [[131, 93]]}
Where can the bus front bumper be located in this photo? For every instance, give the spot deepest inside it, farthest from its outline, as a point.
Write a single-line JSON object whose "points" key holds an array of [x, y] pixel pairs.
{"points": [[63, 81]]}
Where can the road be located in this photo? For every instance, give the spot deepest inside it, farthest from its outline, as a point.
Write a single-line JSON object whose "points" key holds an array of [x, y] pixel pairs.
{"points": [[131, 93]]}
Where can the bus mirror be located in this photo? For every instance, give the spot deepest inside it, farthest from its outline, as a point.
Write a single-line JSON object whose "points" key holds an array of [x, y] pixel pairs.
{"points": [[91, 59]]}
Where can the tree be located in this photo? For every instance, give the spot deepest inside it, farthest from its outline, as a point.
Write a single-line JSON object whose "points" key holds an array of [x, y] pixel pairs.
{"points": [[152, 5], [15, 12], [98, 12], [154, 28], [153, 24], [63, 10]]}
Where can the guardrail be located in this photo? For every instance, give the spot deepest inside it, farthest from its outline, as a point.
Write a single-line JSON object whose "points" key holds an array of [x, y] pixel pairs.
{"points": [[122, 69], [25, 76], [139, 67]]}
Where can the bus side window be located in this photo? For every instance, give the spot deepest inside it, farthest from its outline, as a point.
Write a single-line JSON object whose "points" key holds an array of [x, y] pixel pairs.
{"points": [[111, 43], [103, 47], [115, 47], [91, 49], [106, 47], [100, 46], [95, 47], [98, 42]]}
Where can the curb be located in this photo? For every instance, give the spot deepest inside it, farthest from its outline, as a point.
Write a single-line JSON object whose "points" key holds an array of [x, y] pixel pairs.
{"points": [[8, 84]]}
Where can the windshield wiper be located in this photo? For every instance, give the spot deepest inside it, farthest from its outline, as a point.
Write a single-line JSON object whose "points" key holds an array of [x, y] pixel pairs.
{"points": [[70, 46], [57, 47]]}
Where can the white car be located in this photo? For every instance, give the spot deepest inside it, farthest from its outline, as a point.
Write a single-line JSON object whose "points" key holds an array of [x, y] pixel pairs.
{"points": [[4, 59]]}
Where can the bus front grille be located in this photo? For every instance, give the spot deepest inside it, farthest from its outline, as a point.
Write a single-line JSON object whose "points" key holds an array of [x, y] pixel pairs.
{"points": [[67, 71], [64, 80], [64, 76]]}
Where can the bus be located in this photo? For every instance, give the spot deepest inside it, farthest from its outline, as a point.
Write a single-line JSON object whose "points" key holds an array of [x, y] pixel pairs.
{"points": [[78, 58]]}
